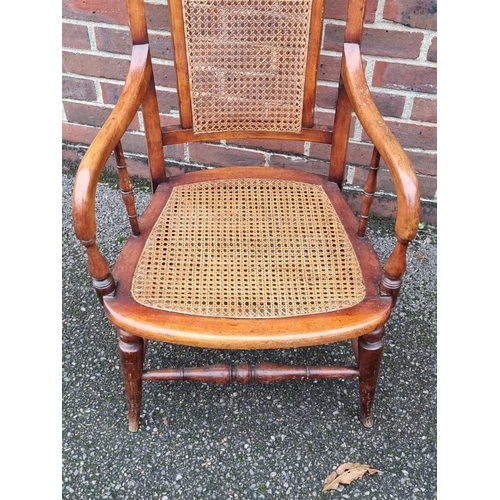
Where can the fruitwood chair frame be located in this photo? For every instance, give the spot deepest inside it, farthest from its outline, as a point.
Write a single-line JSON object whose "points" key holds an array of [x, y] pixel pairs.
{"points": [[295, 266]]}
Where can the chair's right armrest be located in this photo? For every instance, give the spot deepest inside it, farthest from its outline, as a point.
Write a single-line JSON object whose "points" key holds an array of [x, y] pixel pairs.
{"points": [[94, 160], [398, 164]]}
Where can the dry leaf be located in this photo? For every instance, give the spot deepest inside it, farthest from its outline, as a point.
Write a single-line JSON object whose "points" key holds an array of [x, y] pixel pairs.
{"points": [[421, 256], [347, 473]]}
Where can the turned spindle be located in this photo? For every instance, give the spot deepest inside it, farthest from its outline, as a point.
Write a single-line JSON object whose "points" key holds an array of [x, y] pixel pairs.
{"points": [[126, 189], [244, 373], [369, 192]]}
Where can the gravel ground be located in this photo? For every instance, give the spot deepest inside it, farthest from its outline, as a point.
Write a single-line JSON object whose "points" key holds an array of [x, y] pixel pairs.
{"points": [[280, 441]]}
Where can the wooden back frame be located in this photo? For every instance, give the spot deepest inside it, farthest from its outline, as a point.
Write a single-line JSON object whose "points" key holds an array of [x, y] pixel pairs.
{"points": [[157, 136]]}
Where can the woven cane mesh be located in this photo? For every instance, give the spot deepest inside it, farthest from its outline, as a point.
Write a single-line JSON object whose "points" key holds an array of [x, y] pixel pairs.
{"points": [[246, 63], [248, 248]]}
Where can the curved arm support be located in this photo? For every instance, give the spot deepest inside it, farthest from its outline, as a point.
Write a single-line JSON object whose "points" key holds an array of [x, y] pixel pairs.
{"points": [[92, 164], [398, 163]]}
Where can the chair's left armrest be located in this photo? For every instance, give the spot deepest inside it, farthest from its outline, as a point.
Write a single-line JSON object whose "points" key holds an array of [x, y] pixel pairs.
{"points": [[94, 160], [398, 163]]}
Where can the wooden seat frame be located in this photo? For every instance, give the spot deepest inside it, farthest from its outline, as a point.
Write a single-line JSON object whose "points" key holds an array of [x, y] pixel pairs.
{"points": [[136, 323]]}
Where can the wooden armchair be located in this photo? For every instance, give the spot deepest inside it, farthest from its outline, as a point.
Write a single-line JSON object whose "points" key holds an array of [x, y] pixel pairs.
{"points": [[247, 257]]}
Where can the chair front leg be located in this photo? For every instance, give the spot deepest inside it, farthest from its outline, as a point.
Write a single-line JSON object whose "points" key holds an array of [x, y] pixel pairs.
{"points": [[370, 349], [132, 358]]}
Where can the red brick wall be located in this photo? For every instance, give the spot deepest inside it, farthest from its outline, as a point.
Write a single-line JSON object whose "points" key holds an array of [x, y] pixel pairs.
{"points": [[399, 48]]}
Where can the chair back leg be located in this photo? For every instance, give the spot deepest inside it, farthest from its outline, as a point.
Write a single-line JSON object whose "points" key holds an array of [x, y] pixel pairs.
{"points": [[369, 349], [132, 350]]}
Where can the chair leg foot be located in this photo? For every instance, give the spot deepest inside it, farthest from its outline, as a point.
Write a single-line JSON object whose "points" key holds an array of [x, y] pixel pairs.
{"points": [[132, 357], [370, 349]]}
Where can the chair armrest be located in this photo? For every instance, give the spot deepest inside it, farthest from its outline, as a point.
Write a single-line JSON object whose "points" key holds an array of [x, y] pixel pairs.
{"points": [[92, 164], [398, 163]]}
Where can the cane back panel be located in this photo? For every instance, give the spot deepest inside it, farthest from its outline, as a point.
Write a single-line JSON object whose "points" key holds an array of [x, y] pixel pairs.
{"points": [[247, 63]]}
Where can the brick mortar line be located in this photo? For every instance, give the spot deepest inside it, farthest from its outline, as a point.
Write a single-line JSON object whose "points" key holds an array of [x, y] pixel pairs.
{"points": [[99, 24], [329, 52], [118, 27], [405, 148], [379, 13], [356, 189], [425, 46], [387, 118], [92, 40], [93, 78], [267, 159], [352, 141], [90, 52], [382, 24], [237, 147], [403, 93], [384, 90], [396, 60], [170, 62], [292, 156], [325, 83], [99, 79], [369, 69], [385, 169], [400, 60], [114, 55], [408, 107], [128, 155], [90, 103], [72, 145], [140, 117], [358, 130], [93, 46], [98, 91], [337, 22], [385, 24], [328, 83], [138, 133], [393, 119]]}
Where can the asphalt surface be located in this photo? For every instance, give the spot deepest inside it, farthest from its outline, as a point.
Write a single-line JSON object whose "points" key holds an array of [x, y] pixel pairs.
{"points": [[235, 442]]}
